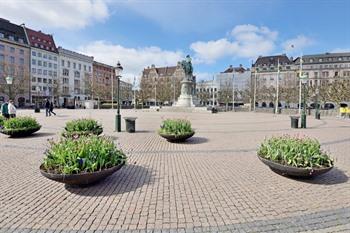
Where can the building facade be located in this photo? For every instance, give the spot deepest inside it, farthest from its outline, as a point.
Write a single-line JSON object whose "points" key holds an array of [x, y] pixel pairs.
{"points": [[322, 69], [220, 90], [14, 63], [75, 77], [44, 67], [161, 85], [102, 86]]}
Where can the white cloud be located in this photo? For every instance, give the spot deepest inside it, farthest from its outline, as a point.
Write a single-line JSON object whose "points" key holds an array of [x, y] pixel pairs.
{"points": [[134, 60], [341, 50], [297, 44], [65, 14], [248, 41]]}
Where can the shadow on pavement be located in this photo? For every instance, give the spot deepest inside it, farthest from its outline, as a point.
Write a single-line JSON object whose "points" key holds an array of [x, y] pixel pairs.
{"points": [[127, 179], [36, 135], [335, 176], [195, 140]]}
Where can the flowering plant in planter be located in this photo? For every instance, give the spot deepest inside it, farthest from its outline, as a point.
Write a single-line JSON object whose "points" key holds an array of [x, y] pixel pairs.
{"points": [[82, 127], [176, 129], [85, 154], [20, 126], [295, 156], [295, 151]]}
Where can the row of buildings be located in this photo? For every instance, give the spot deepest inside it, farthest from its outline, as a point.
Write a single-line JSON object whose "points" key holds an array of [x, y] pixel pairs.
{"points": [[235, 85], [40, 70]]}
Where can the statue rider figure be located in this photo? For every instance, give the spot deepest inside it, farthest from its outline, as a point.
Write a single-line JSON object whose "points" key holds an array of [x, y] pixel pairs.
{"points": [[187, 66]]}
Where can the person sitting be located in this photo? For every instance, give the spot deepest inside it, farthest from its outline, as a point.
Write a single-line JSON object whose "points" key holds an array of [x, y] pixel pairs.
{"points": [[5, 110]]}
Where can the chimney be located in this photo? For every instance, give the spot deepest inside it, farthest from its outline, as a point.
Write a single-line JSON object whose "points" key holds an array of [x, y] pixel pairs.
{"points": [[240, 65], [153, 66]]}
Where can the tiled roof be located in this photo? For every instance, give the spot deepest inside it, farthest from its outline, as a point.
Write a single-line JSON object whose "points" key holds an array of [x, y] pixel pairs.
{"points": [[162, 71], [41, 40], [272, 60], [232, 69], [14, 31]]}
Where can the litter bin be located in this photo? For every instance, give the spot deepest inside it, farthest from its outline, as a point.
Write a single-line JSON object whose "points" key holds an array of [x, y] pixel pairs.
{"points": [[214, 110], [130, 124], [294, 121]]}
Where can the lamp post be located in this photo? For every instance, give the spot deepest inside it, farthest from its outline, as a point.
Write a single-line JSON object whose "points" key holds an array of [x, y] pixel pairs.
{"points": [[303, 81], [233, 93], [317, 113], [9, 81], [256, 69], [118, 72]]}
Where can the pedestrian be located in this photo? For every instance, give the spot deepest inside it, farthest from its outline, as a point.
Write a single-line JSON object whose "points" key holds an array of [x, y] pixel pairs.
{"points": [[51, 108], [5, 110], [47, 107], [12, 109]]}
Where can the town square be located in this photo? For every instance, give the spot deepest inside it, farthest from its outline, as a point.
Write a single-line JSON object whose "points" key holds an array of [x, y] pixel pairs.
{"points": [[174, 116]]}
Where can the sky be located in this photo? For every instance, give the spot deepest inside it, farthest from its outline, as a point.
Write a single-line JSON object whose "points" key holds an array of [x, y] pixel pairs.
{"points": [[215, 33]]}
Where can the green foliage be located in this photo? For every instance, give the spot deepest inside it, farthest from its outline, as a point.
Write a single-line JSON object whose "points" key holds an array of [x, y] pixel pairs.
{"points": [[84, 154], [82, 127], [20, 123], [2, 120], [176, 127], [294, 151]]}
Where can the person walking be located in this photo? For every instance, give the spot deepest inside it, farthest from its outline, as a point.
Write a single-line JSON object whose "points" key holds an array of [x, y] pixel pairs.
{"points": [[47, 107], [5, 110], [51, 108], [12, 109]]}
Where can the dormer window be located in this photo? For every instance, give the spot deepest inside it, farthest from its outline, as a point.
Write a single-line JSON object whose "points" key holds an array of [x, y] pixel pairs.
{"points": [[36, 45], [2, 35], [311, 60], [39, 39], [11, 38], [33, 38]]}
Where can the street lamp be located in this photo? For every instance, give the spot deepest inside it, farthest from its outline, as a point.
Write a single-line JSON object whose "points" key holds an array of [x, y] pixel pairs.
{"points": [[303, 80], [118, 72], [9, 81]]}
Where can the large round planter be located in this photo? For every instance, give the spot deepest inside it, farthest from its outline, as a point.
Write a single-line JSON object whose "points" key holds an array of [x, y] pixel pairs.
{"points": [[294, 171], [81, 179], [20, 132], [176, 138]]}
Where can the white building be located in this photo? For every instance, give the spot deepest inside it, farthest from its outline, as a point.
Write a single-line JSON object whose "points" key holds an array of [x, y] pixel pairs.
{"points": [[75, 74], [44, 66]]}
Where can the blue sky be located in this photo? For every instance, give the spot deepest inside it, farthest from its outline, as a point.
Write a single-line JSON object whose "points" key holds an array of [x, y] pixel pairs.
{"points": [[215, 33]]}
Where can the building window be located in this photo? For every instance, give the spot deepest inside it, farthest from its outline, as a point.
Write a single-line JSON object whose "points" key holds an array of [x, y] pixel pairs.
{"points": [[89, 68], [79, 66], [315, 74], [44, 80], [2, 57], [21, 51], [50, 72], [39, 63], [39, 71], [65, 72], [45, 55], [62, 63], [11, 38], [55, 58], [33, 53], [44, 72], [50, 57], [55, 66], [45, 64], [74, 65], [33, 88], [12, 60], [21, 61], [76, 74], [12, 49], [2, 47], [50, 81], [2, 35], [55, 74], [34, 70], [84, 67], [320, 60], [39, 80], [39, 54], [50, 65], [68, 64], [336, 73], [33, 79]]}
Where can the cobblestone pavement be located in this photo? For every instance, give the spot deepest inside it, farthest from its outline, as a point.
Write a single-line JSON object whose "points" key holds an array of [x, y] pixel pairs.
{"points": [[212, 183]]}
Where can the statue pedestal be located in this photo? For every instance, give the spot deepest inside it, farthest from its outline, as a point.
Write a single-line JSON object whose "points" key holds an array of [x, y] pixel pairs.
{"points": [[185, 99]]}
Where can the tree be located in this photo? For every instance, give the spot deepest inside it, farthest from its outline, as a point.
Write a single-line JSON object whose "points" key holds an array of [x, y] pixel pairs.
{"points": [[21, 80]]}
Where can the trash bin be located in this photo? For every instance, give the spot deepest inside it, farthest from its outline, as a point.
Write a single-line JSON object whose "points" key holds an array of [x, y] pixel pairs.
{"points": [[130, 124], [294, 121], [214, 110]]}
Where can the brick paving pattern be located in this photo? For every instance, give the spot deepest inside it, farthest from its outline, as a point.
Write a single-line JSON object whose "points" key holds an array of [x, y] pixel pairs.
{"points": [[212, 183]]}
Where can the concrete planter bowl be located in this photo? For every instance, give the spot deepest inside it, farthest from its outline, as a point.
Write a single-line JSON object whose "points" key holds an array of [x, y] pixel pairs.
{"points": [[176, 138], [82, 179], [20, 132], [97, 132], [294, 171]]}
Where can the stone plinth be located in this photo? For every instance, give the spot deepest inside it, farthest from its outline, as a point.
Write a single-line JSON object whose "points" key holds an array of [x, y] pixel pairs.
{"points": [[185, 99]]}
